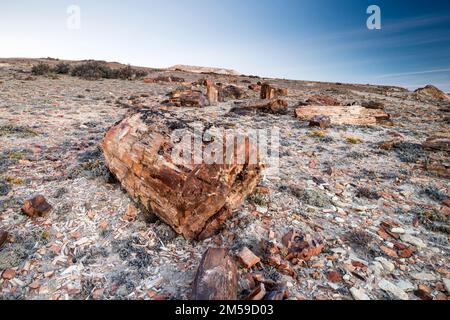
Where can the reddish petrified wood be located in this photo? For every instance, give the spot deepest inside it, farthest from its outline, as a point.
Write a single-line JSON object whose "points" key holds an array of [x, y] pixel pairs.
{"points": [[193, 198], [3, 237], [216, 277], [36, 207]]}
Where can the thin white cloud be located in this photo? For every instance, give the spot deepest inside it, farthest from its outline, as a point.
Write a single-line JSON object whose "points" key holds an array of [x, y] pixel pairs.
{"points": [[402, 74]]}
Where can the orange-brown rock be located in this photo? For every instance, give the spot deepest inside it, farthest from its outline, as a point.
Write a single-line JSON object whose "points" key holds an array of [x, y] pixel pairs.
{"points": [[187, 98], [322, 100], [193, 198], [36, 207], [340, 115], [248, 258], [216, 277]]}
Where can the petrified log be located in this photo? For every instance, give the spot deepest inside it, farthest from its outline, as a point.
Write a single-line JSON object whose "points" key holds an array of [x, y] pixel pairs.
{"points": [[339, 115], [212, 92], [186, 98], [269, 92], [275, 106], [193, 197], [216, 277]]}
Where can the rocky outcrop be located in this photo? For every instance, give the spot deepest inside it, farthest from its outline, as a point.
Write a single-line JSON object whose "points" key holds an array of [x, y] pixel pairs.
{"points": [[431, 93], [193, 197]]}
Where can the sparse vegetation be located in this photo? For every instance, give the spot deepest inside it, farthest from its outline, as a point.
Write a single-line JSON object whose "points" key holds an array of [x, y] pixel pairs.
{"points": [[368, 194], [41, 69], [353, 140], [94, 70], [62, 68], [318, 134], [432, 220], [16, 131], [434, 193]]}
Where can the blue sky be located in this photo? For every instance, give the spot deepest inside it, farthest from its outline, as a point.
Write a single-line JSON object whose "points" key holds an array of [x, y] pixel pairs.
{"points": [[298, 39]]}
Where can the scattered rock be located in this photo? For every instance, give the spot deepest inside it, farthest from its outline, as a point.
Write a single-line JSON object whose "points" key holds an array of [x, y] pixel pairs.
{"points": [[405, 286], [387, 265], [216, 277], [320, 121], [334, 276], [322, 100], [393, 290], [373, 105], [258, 293], [37, 207], [424, 276], [248, 258], [9, 274], [413, 240], [359, 294]]}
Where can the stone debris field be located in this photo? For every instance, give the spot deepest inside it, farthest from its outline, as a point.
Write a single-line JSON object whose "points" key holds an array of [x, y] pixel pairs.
{"points": [[92, 206]]}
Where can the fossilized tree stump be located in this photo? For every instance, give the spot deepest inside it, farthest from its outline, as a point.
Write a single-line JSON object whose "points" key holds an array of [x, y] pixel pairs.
{"points": [[194, 198]]}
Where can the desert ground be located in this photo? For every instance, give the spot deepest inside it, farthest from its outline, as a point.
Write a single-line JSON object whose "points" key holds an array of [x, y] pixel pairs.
{"points": [[375, 196]]}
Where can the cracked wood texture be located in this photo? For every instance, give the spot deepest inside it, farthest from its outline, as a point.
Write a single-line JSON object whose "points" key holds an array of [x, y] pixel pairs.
{"points": [[194, 199], [216, 277]]}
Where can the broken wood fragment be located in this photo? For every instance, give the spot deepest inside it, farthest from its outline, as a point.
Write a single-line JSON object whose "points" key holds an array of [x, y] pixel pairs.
{"points": [[36, 207], [216, 277], [248, 258], [212, 92], [258, 293]]}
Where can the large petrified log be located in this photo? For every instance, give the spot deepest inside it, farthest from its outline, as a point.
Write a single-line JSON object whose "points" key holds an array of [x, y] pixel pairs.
{"points": [[216, 277], [340, 115], [193, 197]]}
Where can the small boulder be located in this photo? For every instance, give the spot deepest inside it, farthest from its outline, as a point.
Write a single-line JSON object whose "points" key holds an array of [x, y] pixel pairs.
{"points": [[320, 121], [37, 207]]}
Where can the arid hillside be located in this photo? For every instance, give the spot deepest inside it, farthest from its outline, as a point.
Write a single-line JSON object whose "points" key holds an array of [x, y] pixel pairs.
{"points": [[358, 208]]}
